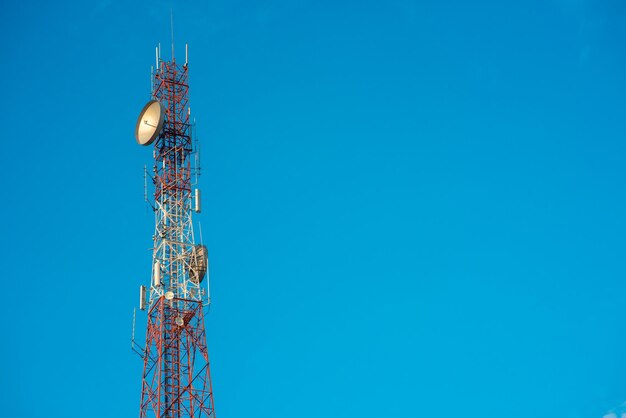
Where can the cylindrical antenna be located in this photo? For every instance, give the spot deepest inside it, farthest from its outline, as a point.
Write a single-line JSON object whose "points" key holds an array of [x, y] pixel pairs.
{"points": [[197, 203], [157, 273], [157, 59], [186, 54], [142, 297]]}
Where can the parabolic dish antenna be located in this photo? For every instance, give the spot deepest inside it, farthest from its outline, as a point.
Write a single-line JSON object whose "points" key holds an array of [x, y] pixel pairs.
{"points": [[179, 321], [169, 295], [198, 263], [150, 123]]}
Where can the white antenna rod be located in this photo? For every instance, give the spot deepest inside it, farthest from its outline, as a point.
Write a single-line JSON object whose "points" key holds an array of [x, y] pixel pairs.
{"points": [[172, 28], [132, 338], [198, 155], [186, 54], [157, 59], [145, 183], [208, 280]]}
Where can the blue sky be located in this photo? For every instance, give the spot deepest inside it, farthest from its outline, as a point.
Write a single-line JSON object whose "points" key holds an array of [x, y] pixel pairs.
{"points": [[412, 208]]}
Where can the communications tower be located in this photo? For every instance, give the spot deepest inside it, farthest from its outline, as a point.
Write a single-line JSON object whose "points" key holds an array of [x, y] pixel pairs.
{"points": [[176, 379]]}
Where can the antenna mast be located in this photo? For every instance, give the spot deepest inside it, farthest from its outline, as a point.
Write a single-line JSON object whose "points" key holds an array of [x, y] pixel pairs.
{"points": [[176, 379]]}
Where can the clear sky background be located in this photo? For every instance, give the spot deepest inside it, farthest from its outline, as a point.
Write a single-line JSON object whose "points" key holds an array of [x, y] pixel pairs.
{"points": [[412, 208]]}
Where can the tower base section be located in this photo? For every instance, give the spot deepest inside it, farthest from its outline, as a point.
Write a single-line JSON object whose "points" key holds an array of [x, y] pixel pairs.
{"points": [[176, 376]]}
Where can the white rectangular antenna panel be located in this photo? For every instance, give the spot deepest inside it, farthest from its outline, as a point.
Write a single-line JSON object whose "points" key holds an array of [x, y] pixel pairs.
{"points": [[157, 273], [197, 204], [142, 298]]}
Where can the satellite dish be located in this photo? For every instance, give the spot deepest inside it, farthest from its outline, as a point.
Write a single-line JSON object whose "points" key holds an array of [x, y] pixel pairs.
{"points": [[150, 123], [198, 263], [179, 321], [169, 295]]}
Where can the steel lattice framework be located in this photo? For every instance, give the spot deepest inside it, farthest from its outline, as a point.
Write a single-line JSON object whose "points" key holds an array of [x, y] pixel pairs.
{"points": [[176, 376]]}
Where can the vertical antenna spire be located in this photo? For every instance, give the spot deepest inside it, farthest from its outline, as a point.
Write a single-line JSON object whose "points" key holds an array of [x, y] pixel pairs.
{"points": [[172, 30]]}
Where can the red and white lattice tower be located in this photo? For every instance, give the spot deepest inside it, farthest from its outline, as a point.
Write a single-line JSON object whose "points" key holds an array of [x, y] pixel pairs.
{"points": [[176, 379]]}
